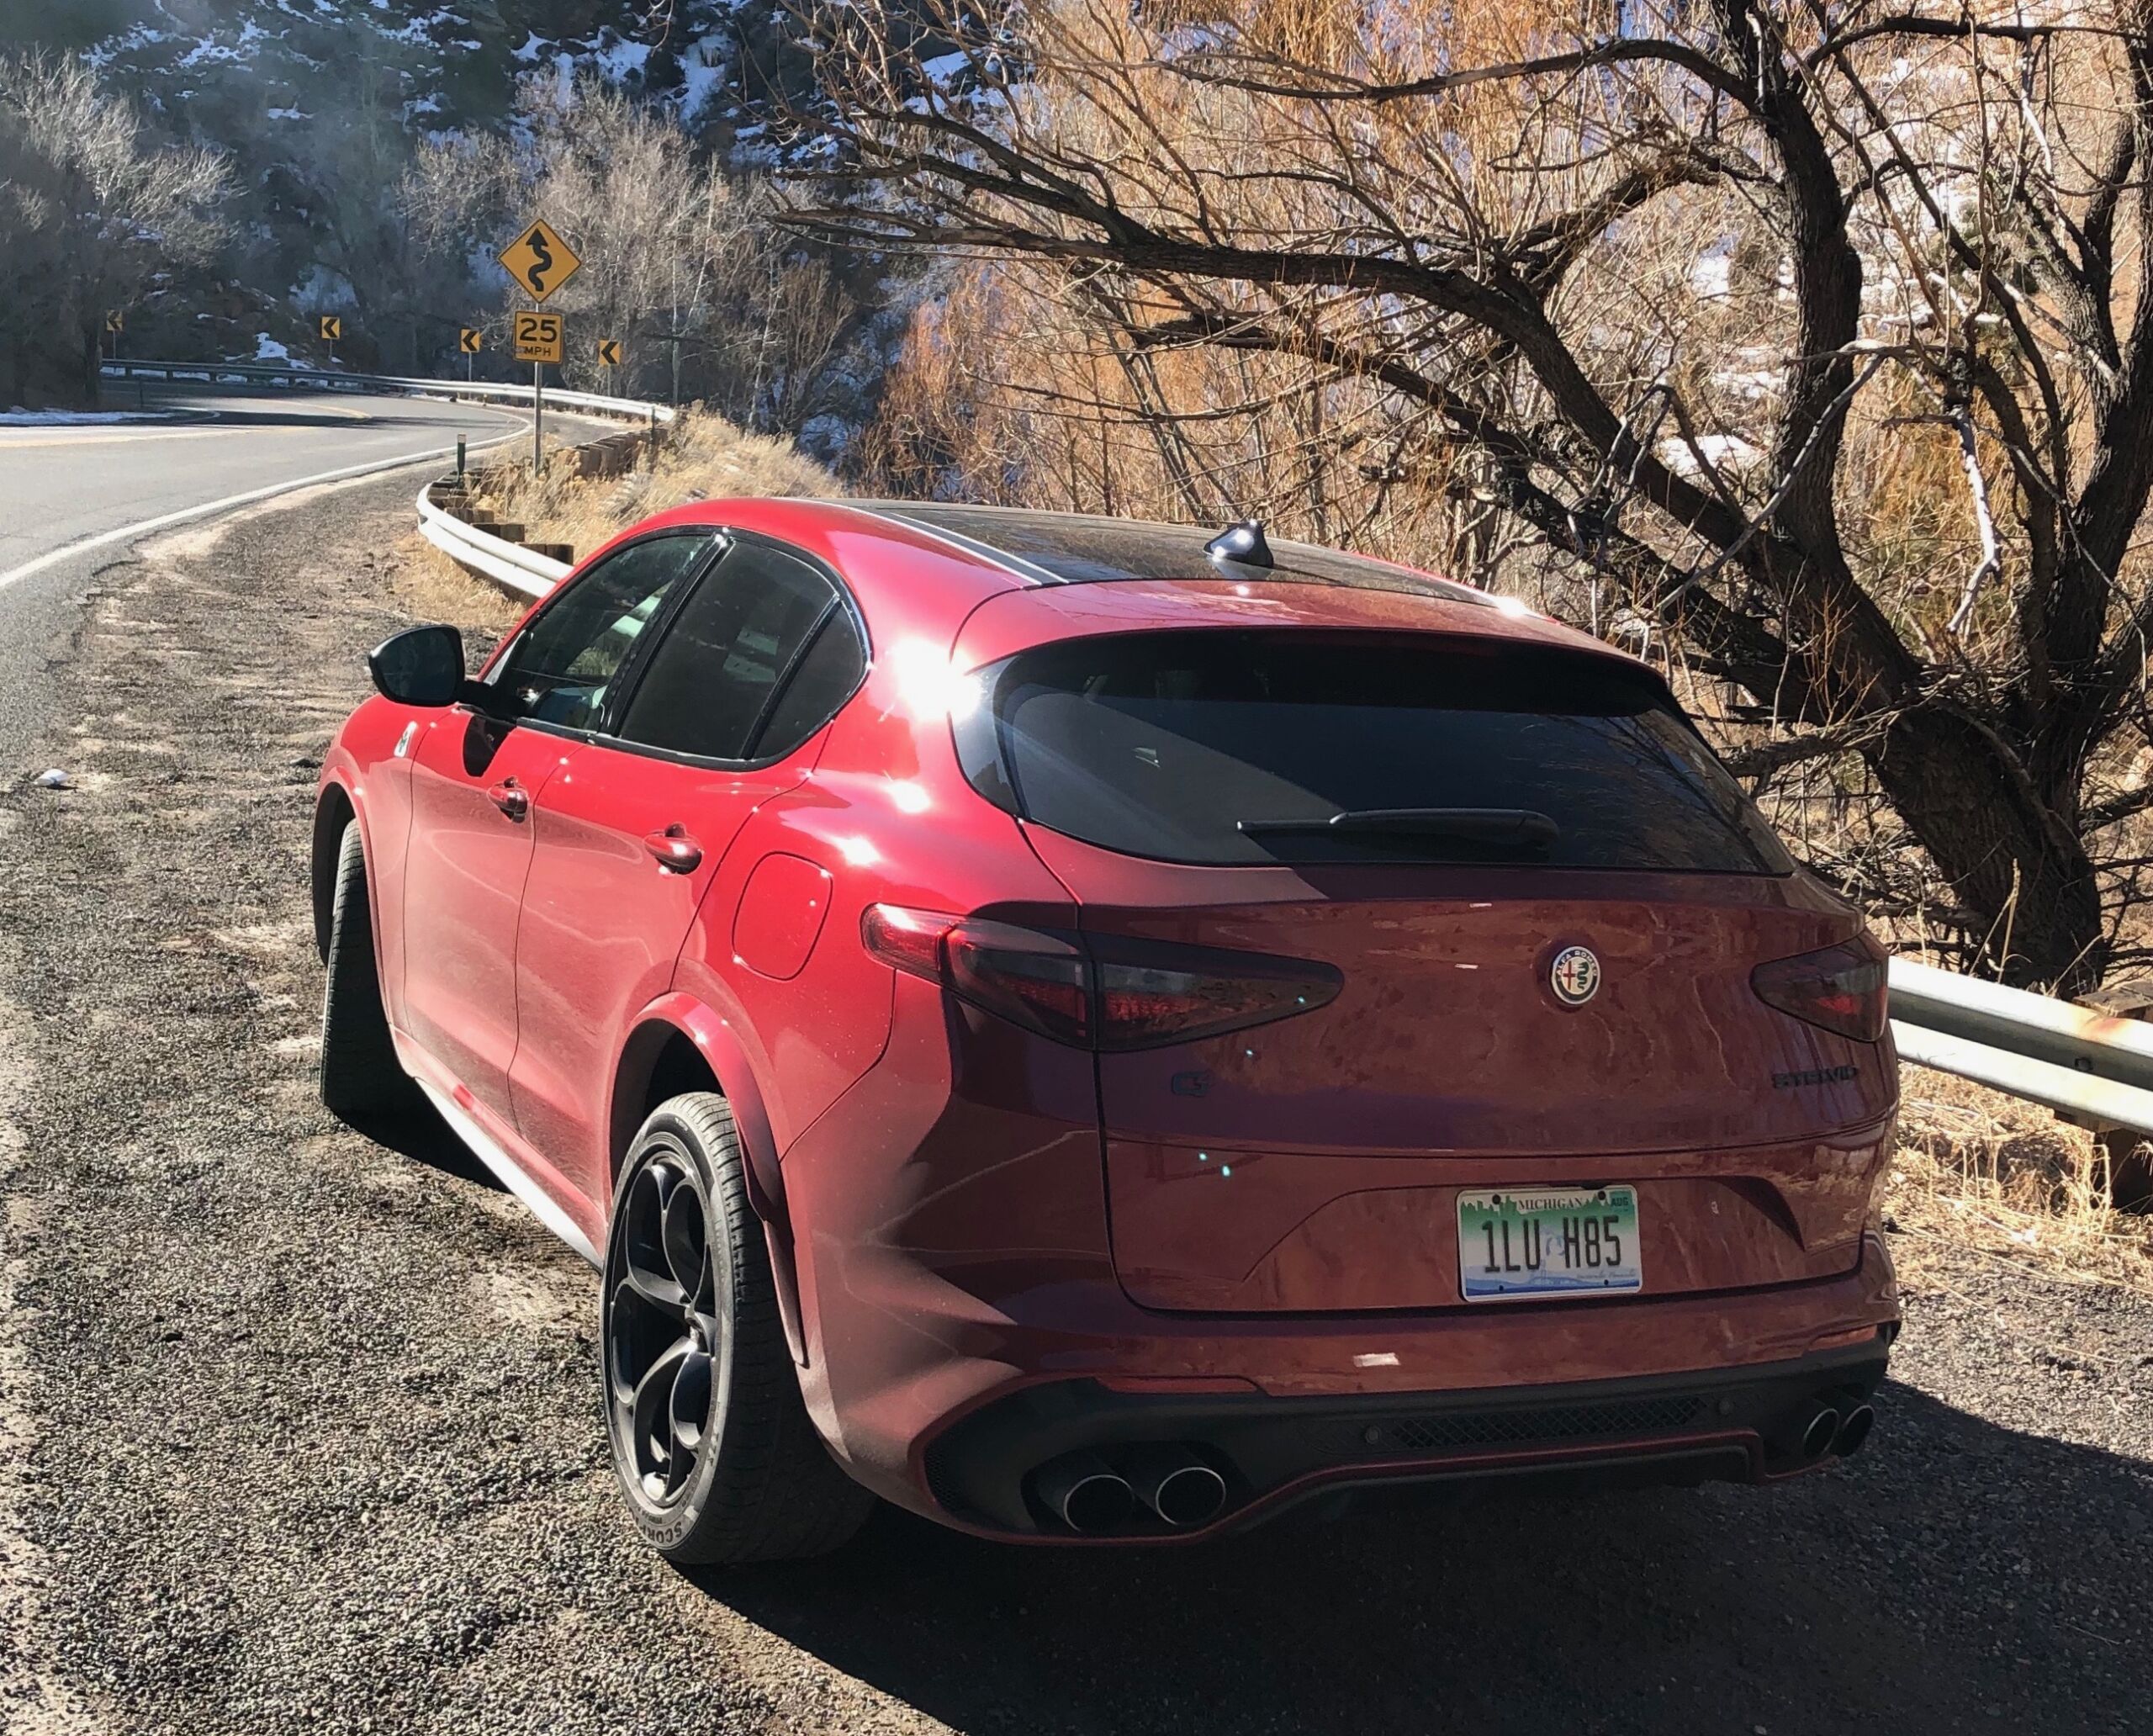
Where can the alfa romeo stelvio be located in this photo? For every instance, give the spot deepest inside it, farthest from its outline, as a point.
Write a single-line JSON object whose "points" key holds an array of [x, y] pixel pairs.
{"points": [[1097, 1031]]}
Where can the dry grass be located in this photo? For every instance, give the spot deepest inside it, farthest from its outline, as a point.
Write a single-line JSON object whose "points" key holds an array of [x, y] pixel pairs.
{"points": [[1978, 1170], [702, 456], [432, 587]]}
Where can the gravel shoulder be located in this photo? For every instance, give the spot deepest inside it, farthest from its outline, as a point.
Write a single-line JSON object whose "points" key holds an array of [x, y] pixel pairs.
{"points": [[299, 1433]]}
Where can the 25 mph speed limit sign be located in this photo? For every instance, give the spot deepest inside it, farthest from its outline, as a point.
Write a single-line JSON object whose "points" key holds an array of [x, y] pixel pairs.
{"points": [[539, 338]]}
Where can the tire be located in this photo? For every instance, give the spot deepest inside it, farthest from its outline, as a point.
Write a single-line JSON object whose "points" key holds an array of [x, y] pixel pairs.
{"points": [[711, 1444], [362, 1083]]}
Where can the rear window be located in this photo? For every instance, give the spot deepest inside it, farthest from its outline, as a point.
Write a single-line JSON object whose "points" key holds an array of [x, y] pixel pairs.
{"points": [[1246, 747]]}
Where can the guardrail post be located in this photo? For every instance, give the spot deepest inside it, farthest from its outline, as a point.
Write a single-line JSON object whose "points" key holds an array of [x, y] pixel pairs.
{"points": [[459, 461]]}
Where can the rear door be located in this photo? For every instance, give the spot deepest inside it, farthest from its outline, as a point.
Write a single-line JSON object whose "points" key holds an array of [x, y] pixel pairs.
{"points": [[1507, 804], [725, 712], [475, 781]]}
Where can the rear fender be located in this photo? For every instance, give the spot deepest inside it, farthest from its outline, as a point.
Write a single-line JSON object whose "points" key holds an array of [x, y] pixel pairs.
{"points": [[727, 1060], [722, 1053]]}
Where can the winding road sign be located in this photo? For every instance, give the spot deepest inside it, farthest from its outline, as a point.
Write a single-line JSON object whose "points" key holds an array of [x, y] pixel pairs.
{"points": [[609, 352], [540, 261], [471, 342]]}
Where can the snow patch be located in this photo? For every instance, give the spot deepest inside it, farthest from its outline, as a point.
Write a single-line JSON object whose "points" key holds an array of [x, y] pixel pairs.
{"points": [[1712, 276], [1724, 453], [702, 75], [20, 418]]}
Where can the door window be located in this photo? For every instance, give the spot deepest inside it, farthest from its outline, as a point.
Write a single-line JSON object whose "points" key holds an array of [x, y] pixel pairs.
{"points": [[757, 660], [563, 665]]}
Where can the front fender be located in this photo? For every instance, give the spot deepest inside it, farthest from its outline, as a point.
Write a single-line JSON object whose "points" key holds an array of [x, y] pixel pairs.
{"points": [[362, 770]]}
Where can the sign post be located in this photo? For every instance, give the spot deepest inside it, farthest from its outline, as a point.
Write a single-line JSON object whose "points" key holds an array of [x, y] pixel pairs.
{"points": [[609, 352], [470, 342], [540, 262], [332, 330], [540, 338], [115, 322]]}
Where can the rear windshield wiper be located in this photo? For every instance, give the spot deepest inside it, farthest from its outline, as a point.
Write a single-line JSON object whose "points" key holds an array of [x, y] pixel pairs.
{"points": [[1485, 826]]}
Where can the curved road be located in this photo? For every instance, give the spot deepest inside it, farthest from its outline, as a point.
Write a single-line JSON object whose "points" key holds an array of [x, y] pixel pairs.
{"points": [[74, 498]]}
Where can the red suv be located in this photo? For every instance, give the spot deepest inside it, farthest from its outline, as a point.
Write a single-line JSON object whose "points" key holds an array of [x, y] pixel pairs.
{"points": [[1092, 1031]]}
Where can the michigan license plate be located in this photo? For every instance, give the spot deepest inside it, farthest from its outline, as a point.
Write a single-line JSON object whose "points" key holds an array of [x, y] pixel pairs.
{"points": [[1548, 1242]]}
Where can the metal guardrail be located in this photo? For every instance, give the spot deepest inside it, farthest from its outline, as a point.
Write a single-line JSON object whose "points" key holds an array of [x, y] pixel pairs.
{"points": [[507, 564], [2076, 1060], [237, 373]]}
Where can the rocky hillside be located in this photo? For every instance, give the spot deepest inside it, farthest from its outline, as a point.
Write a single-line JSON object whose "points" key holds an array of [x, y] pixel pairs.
{"points": [[320, 103]]}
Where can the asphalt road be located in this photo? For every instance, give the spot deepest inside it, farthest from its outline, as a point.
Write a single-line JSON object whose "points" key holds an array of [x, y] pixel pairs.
{"points": [[298, 1433], [63, 486]]}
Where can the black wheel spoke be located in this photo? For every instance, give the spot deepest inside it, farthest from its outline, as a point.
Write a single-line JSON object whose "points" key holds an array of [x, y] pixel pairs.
{"points": [[646, 1263], [689, 1404], [659, 1458], [656, 1289], [687, 1251]]}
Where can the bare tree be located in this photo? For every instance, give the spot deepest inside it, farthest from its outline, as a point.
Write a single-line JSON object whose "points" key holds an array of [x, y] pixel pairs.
{"points": [[93, 210], [1680, 291], [674, 248]]}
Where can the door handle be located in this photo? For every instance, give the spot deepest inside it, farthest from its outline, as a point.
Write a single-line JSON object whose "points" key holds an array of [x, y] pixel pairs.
{"points": [[512, 798], [676, 852]]}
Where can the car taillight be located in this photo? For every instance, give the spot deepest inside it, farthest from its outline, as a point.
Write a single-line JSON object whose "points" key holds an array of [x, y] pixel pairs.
{"points": [[1030, 979], [1839, 988], [1117, 994]]}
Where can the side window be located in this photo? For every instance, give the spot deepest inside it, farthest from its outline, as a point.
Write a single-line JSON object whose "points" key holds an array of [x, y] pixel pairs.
{"points": [[823, 680], [562, 666], [743, 646]]}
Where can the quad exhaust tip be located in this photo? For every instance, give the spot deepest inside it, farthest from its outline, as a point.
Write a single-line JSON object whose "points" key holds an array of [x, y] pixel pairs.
{"points": [[1090, 1494], [1854, 1429], [1086, 1493], [1176, 1485], [1819, 1430], [1835, 1425]]}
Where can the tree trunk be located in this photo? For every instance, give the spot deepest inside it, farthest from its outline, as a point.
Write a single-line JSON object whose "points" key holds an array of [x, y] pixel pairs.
{"points": [[92, 366], [2009, 857]]}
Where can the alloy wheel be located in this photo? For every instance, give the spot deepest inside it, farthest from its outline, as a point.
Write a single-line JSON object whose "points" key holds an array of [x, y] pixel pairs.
{"points": [[667, 1340]]}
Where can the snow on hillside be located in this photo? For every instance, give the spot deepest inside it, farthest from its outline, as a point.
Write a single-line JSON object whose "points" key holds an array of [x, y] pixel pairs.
{"points": [[451, 66]]}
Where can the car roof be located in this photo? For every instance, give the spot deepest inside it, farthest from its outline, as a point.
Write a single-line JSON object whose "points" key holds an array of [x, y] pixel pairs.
{"points": [[964, 554], [1087, 549]]}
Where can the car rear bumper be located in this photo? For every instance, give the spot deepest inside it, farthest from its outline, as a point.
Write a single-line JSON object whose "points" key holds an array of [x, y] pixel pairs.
{"points": [[952, 1409], [1744, 1424], [948, 1240]]}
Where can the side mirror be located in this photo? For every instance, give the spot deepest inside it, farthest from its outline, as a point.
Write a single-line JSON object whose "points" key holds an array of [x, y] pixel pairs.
{"points": [[420, 666]]}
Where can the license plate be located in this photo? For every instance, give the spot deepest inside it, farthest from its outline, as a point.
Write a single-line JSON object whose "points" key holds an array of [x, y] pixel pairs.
{"points": [[1548, 1242]]}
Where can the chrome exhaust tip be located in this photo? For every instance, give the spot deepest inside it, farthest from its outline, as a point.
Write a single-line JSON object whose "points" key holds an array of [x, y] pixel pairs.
{"points": [[1854, 1430], [1085, 1493], [1175, 1484]]}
